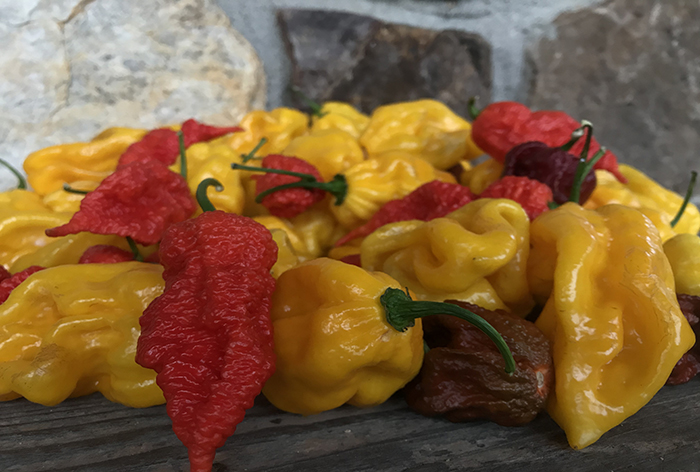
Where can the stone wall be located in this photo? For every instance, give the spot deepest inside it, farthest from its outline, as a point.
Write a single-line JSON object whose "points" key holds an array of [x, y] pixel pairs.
{"points": [[71, 67]]}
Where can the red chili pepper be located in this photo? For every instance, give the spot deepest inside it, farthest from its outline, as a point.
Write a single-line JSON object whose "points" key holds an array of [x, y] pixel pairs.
{"points": [[162, 144], [429, 201], [532, 195], [139, 200], [209, 335], [4, 273], [105, 254], [9, 284], [503, 125]]}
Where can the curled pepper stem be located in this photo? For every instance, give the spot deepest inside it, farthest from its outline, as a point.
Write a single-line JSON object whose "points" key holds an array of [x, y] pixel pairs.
{"points": [[314, 106], [575, 136], [584, 165], [70, 189], [401, 312], [183, 154], [134, 249], [251, 154], [473, 110], [338, 187], [688, 194], [201, 193], [21, 181]]}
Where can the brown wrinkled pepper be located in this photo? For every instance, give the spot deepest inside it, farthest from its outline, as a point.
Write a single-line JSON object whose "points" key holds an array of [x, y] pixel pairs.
{"points": [[689, 365], [463, 378]]}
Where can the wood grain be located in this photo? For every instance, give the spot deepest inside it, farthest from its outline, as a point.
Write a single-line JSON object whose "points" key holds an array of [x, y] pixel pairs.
{"points": [[92, 434]]}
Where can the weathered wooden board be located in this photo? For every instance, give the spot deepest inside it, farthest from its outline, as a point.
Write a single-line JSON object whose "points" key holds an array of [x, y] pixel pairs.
{"points": [[92, 434]]}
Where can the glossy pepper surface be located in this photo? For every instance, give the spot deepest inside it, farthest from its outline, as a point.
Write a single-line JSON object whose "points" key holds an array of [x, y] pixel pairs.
{"points": [[501, 126], [659, 204], [476, 254], [423, 128], [611, 314], [69, 202], [374, 182], [683, 253], [71, 330], [209, 336], [279, 126], [330, 151], [48, 169], [339, 116], [482, 175], [139, 200], [333, 342]]}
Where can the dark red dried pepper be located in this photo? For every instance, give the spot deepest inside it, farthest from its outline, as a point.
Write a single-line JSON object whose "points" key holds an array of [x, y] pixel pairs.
{"points": [[689, 365], [139, 200], [429, 201], [462, 376], [9, 284], [105, 254], [532, 195], [209, 335], [503, 125], [162, 144]]}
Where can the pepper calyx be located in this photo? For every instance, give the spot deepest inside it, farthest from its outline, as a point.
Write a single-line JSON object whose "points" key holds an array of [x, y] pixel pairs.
{"points": [[401, 312]]}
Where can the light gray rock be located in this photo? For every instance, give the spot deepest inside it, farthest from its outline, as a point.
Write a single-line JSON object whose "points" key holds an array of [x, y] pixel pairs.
{"points": [[632, 67], [71, 68]]}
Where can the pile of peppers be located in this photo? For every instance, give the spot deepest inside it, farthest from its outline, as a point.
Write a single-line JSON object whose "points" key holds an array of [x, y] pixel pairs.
{"points": [[333, 257]]}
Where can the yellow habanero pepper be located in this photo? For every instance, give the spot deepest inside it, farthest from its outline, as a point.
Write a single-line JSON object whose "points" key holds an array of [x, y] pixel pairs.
{"points": [[72, 330], [332, 340], [278, 126], [48, 169], [659, 204], [374, 182], [69, 202], [330, 151], [479, 177], [683, 252], [423, 128], [286, 255], [68, 249], [23, 219], [340, 116], [213, 159], [476, 254], [611, 314]]}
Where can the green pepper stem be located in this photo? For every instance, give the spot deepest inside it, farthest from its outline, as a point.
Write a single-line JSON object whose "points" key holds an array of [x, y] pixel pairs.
{"points": [[473, 110], [134, 249], [201, 193], [338, 187], [21, 181], [183, 154], [401, 312], [582, 169], [314, 106], [70, 189], [576, 135], [688, 194], [251, 154]]}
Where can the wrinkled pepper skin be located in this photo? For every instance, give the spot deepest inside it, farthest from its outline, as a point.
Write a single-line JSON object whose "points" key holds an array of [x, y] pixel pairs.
{"points": [[683, 252], [213, 160], [330, 151], [479, 177], [611, 314], [657, 203], [69, 202], [422, 128], [70, 331], [48, 169], [279, 126], [477, 254], [332, 341], [69, 249], [374, 182], [23, 232], [340, 116]]}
